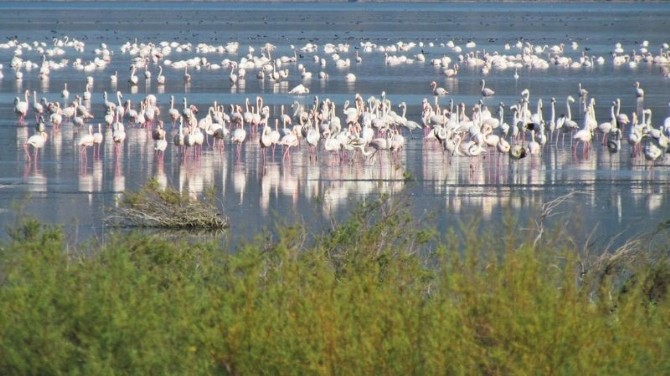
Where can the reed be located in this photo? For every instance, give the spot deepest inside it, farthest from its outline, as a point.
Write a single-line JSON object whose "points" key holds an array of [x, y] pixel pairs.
{"points": [[377, 294]]}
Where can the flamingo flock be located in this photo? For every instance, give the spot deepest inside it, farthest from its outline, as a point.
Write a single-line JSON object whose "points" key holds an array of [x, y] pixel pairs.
{"points": [[362, 130]]}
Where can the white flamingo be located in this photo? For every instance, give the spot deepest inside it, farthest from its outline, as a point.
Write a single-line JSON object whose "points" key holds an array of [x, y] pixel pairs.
{"points": [[606, 127], [118, 135], [187, 76], [486, 92], [85, 141], [290, 140], [133, 79], [584, 135], [439, 91], [37, 142], [238, 137], [160, 78], [21, 107], [97, 141], [639, 92], [37, 106]]}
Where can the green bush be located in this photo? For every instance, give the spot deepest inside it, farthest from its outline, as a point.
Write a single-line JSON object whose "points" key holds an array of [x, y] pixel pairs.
{"points": [[377, 294]]}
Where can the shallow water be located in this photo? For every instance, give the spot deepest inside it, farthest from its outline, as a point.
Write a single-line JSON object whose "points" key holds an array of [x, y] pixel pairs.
{"points": [[619, 196]]}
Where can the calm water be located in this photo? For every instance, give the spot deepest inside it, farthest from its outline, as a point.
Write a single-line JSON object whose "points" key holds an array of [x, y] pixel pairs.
{"points": [[619, 196]]}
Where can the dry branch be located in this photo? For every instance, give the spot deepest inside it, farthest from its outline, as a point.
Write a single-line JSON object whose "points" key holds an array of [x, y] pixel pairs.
{"points": [[154, 207]]}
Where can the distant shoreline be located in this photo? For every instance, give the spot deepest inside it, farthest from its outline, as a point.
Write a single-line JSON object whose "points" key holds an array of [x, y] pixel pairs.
{"points": [[358, 1]]}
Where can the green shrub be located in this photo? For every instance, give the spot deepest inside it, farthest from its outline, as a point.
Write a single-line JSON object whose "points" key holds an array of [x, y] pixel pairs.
{"points": [[378, 294]]}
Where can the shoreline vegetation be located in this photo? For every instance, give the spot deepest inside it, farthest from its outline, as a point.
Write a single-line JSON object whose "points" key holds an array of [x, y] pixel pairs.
{"points": [[380, 293]]}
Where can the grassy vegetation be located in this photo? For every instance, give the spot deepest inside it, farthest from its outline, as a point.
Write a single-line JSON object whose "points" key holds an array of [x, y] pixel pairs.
{"points": [[377, 294]]}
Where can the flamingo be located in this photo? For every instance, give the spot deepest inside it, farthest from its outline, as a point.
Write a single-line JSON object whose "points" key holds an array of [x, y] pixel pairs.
{"points": [[313, 137], [285, 118], [290, 140], [187, 76], [552, 118], [396, 142], [503, 146], [133, 80], [565, 124], [56, 118], [120, 108], [581, 91], [238, 137], [21, 107], [118, 135], [161, 144], [438, 91], [65, 93], [195, 138], [614, 140], [584, 135], [233, 77], [37, 106], [265, 141], [486, 92], [87, 93], [639, 92], [179, 138], [109, 105], [299, 89], [97, 141], [621, 118], [160, 79], [158, 134], [608, 126], [37, 141], [635, 135], [85, 141], [409, 124], [655, 142], [275, 136], [451, 72]]}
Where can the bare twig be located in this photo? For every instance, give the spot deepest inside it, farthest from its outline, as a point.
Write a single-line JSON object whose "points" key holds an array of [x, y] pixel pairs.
{"points": [[548, 210], [152, 207]]}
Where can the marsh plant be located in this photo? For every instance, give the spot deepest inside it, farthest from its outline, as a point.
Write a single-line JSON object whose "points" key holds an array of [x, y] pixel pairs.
{"points": [[380, 293]]}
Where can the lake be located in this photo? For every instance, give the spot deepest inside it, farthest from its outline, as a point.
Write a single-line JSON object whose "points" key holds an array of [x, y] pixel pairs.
{"points": [[615, 195]]}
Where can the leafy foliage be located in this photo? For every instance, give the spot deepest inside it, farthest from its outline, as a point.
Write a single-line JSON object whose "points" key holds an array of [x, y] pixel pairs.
{"points": [[378, 294]]}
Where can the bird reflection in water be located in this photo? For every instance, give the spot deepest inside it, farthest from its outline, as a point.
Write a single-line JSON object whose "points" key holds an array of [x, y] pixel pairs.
{"points": [[290, 183], [34, 178], [312, 182], [119, 183], [240, 180], [85, 181], [191, 179], [239, 87], [270, 181], [159, 175], [44, 84]]}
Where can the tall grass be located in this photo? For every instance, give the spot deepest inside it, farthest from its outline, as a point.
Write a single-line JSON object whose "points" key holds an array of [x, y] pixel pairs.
{"points": [[377, 294]]}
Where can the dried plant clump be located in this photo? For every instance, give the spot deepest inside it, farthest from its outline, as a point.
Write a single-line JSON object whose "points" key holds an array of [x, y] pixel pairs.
{"points": [[154, 207]]}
